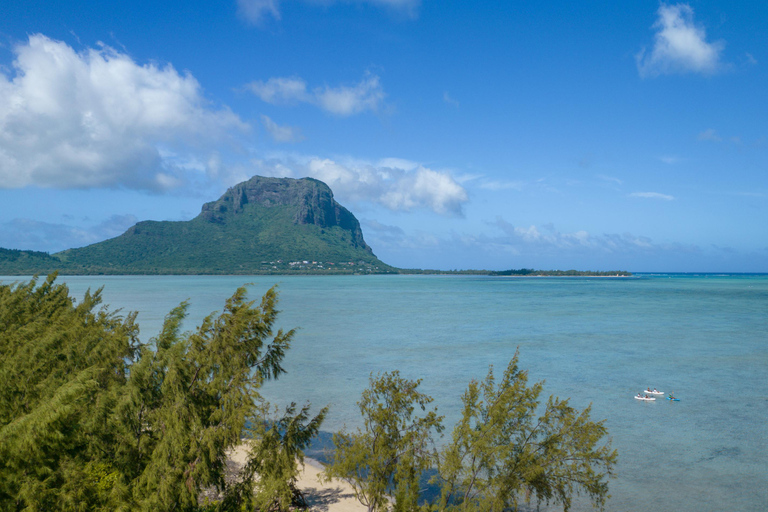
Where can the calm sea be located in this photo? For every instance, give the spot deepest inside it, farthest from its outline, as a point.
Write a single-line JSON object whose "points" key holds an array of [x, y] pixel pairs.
{"points": [[595, 340]]}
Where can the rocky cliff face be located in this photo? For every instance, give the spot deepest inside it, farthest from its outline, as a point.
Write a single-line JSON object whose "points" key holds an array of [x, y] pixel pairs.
{"points": [[311, 200]]}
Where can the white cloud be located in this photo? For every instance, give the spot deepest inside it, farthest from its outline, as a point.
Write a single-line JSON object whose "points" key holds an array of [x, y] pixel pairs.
{"points": [[680, 46], [710, 135], [407, 6], [652, 195], [98, 119], [367, 95], [447, 98], [397, 163], [501, 185], [670, 159], [281, 90], [610, 179], [395, 184], [425, 187], [256, 11], [345, 101], [281, 133]]}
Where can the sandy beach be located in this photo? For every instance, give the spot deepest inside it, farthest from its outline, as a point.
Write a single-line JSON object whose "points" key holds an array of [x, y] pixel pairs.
{"points": [[334, 496]]}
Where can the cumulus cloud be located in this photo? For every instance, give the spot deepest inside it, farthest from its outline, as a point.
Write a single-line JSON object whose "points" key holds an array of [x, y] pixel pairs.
{"points": [[396, 184], [652, 195], [255, 12], [680, 46], [281, 133], [344, 100], [97, 119]]}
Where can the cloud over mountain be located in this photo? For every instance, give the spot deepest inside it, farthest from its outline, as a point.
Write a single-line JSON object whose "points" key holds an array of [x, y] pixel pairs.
{"points": [[96, 118], [395, 184]]}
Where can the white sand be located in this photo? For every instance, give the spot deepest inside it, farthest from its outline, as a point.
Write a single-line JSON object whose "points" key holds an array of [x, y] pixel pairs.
{"points": [[334, 496]]}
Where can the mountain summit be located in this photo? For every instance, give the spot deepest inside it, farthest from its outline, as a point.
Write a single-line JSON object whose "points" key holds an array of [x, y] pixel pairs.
{"points": [[310, 200], [263, 225]]}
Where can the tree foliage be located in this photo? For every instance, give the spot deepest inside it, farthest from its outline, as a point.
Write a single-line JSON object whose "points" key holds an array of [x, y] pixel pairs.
{"points": [[502, 452], [93, 420], [269, 479], [389, 454]]}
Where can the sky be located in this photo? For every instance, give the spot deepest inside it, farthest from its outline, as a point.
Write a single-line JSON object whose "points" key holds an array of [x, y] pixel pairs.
{"points": [[463, 135]]}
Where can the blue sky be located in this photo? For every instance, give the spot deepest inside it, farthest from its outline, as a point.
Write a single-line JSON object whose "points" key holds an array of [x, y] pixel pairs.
{"points": [[588, 135]]}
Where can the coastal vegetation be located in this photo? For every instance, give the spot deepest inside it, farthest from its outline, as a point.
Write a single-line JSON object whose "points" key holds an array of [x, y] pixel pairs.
{"points": [[393, 449], [561, 273], [523, 272], [93, 419], [503, 452]]}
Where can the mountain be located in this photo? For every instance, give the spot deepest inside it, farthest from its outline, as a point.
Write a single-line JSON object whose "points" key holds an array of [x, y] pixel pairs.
{"points": [[263, 225]]}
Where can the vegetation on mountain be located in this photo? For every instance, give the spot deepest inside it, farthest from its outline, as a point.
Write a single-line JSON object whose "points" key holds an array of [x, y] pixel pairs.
{"points": [[261, 226], [91, 419], [19, 262]]}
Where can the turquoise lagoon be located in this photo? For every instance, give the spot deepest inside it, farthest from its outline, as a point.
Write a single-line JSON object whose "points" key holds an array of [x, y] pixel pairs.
{"points": [[598, 341]]}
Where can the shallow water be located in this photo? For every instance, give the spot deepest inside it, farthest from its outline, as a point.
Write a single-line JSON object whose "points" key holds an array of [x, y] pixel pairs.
{"points": [[595, 340]]}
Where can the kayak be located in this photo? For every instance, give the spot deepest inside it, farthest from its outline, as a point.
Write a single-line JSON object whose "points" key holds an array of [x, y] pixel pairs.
{"points": [[649, 399], [653, 392], [673, 399]]}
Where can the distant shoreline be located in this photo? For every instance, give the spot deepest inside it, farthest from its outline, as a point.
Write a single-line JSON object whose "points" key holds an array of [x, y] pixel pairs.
{"points": [[11, 272]]}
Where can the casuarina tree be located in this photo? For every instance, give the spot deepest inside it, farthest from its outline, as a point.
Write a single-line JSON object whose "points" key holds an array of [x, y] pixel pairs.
{"points": [[91, 419]]}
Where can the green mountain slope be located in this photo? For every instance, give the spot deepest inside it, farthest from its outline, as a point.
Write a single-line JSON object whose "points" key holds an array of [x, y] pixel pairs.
{"points": [[263, 225]]}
